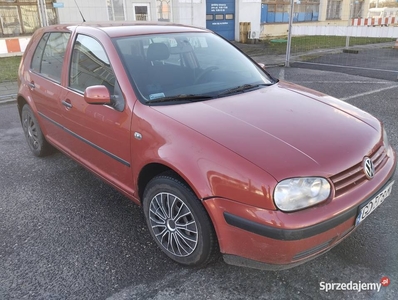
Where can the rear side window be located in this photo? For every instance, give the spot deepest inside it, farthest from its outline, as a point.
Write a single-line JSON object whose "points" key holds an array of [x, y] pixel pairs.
{"points": [[49, 55], [37, 56]]}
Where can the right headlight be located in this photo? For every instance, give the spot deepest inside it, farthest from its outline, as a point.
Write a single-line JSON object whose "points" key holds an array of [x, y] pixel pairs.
{"points": [[386, 143], [297, 193]]}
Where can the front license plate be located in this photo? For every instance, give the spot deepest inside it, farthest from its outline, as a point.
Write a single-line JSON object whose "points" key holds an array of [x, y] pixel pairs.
{"points": [[373, 204]]}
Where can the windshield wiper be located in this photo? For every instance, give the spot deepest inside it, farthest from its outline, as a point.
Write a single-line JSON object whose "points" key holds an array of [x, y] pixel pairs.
{"points": [[181, 97], [241, 88]]}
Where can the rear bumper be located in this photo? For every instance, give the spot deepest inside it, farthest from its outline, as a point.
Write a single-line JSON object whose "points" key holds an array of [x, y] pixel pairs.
{"points": [[273, 240]]}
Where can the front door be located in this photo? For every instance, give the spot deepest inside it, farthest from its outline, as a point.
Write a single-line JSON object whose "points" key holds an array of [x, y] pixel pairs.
{"points": [[99, 135], [220, 17]]}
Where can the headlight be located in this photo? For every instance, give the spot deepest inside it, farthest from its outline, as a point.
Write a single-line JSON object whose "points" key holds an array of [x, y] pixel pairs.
{"points": [[297, 193], [385, 141]]}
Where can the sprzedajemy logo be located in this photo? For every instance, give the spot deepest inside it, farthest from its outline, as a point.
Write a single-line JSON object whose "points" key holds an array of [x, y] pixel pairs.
{"points": [[354, 286]]}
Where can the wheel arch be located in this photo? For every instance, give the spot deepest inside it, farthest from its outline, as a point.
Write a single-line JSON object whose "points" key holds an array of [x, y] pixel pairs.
{"points": [[21, 101], [151, 170]]}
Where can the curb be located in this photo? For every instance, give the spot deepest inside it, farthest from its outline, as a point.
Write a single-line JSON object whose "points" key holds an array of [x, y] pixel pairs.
{"points": [[11, 98]]}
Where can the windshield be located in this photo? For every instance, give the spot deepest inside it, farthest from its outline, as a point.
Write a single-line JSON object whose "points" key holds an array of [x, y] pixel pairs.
{"points": [[186, 66]]}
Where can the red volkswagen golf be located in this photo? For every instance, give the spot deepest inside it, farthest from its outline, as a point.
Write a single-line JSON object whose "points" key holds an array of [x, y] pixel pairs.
{"points": [[221, 156]]}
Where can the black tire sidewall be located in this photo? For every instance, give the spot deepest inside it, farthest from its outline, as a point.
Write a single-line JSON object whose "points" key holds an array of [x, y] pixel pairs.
{"points": [[40, 151], [203, 251]]}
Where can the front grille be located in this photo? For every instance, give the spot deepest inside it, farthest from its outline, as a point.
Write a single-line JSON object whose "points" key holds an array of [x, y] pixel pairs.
{"points": [[352, 177]]}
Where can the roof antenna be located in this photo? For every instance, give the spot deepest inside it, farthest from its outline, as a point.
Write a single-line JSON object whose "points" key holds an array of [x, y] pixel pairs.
{"points": [[80, 11]]}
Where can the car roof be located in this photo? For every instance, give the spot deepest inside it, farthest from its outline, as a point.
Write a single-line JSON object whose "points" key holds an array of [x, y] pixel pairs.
{"points": [[119, 29]]}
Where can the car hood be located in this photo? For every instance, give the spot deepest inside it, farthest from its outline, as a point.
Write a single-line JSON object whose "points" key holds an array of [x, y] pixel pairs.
{"points": [[285, 129]]}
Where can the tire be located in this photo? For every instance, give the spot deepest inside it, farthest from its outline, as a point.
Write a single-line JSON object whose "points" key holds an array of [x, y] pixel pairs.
{"points": [[33, 134], [178, 222]]}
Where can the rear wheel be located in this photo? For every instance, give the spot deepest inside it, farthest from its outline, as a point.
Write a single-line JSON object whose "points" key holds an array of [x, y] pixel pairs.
{"points": [[34, 136], [178, 222]]}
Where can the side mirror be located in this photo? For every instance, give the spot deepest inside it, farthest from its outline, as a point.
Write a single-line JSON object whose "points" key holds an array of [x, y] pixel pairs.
{"points": [[261, 65], [97, 94]]}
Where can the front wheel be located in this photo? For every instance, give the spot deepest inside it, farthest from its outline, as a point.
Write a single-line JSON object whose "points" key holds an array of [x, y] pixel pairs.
{"points": [[34, 136], [178, 222]]}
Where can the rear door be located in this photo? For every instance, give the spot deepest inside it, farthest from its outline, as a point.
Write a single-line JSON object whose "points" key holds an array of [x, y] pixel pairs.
{"points": [[99, 135], [44, 82]]}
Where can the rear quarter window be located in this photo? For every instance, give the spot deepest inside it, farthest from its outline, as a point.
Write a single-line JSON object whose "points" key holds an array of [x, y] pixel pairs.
{"points": [[49, 55]]}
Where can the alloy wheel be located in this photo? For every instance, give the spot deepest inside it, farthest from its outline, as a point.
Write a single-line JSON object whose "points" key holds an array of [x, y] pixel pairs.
{"points": [[173, 224]]}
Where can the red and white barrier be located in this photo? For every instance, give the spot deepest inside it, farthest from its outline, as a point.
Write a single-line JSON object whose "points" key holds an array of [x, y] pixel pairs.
{"points": [[374, 21], [13, 46]]}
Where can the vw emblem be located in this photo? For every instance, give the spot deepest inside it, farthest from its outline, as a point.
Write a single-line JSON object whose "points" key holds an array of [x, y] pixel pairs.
{"points": [[368, 168]]}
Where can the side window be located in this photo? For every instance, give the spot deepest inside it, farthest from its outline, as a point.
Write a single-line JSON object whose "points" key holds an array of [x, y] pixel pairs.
{"points": [[37, 56], [49, 55], [90, 66]]}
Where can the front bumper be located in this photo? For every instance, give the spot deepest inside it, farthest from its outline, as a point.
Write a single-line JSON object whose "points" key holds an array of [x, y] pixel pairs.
{"points": [[274, 240]]}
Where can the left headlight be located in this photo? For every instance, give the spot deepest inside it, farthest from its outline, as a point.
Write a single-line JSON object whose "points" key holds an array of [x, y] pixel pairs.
{"points": [[297, 193]]}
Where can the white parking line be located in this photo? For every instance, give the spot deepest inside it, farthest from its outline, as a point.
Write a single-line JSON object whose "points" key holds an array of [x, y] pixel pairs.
{"points": [[343, 82], [349, 67], [369, 93], [282, 74]]}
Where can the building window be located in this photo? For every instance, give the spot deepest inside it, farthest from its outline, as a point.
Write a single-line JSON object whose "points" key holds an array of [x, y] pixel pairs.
{"points": [[164, 10], [334, 9], [116, 10], [278, 11], [306, 11], [22, 17], [141, 12], [357, 9], [229, 16]]}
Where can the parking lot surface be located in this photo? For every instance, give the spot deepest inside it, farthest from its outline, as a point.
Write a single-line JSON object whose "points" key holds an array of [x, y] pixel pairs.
{"points": [[378, 63], [67, 235]]}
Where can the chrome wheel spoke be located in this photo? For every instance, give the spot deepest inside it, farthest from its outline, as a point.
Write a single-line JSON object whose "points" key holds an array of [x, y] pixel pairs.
{"points": [[178, 211], [157, 217], [174, 246], [30, 129], [182, 216], [171, 208], [162, 232], [187, 228], [34, 140], [162, 205], [173, 224], [181, 244], [190, 242]]}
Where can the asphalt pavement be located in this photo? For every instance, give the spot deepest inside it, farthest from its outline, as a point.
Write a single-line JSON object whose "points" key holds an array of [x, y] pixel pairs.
{"points": [[378, 63], [64, 234]]}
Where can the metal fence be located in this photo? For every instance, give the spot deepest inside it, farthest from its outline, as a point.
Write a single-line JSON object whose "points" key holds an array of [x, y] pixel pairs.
{"points": [[365, 46]]}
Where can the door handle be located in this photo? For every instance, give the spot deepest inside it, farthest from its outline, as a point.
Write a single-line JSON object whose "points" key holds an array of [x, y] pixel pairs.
{"points": [[67, 104], [31, 85]]}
